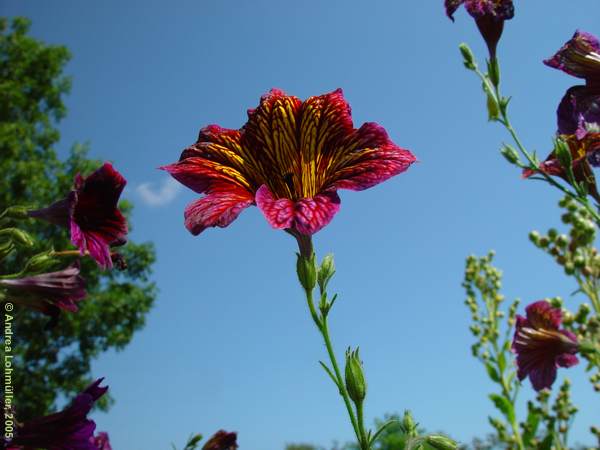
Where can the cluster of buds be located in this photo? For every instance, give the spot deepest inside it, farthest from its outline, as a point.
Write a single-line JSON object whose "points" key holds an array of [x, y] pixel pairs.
{"points": [[573, 251]]}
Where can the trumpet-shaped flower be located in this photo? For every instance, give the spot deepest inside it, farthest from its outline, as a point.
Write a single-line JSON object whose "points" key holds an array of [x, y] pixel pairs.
{"points": [[289, 159], [489, 16], [579, 110], [69, 429], [90, 213], [541, 346], [48, 292]]}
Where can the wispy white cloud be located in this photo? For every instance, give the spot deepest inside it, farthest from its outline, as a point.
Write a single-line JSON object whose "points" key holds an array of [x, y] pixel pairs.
{"points": [[163, 194]]}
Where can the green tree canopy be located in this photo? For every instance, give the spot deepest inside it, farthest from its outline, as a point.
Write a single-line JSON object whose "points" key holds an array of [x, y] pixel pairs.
{"points": [[56, 362]]}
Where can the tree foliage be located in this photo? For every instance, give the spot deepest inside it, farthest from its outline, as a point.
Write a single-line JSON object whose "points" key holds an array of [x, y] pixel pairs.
{"points": [[51, 362]]}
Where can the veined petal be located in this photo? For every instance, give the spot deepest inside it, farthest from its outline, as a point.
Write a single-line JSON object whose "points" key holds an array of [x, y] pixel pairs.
{"points": [[219, 208], [578, 110], [542, 376], [369, 157], [200, 174], [325, 121], [278, 212], [307, 215], [580, 57], [271, 134]]}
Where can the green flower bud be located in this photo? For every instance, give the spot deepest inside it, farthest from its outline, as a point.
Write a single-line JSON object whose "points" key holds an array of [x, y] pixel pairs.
{"points": [[40, 262], [307, 271], [326, 271], [468, 57], [440, 442], [19, 236], [17, 212], [534, 237], [408, 424], [510, 154], [355, 378]]}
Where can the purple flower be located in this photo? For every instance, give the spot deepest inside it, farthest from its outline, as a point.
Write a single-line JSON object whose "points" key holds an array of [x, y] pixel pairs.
{"points": [[221, 440], [69, 429], [90, 212], [489, 16], [579, 110], [541, 346], [48, 292]]}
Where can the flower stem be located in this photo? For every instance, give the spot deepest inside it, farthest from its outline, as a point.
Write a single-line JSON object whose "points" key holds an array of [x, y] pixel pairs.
{"points": [[505, 121], [323, 328]]}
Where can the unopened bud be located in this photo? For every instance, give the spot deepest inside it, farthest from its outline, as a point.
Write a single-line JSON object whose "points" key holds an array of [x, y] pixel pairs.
{"points": [[19, 236], [40, 262], [510, 154], [307, 271], [468, 57], [440, 442], [326, 271], [17, 212], [408, 424], [355, 377]]}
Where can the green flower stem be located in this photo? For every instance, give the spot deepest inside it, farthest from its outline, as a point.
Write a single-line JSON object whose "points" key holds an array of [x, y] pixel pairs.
{"points": [[506, 392], [321, 323], [365, 444], [504, 120]]}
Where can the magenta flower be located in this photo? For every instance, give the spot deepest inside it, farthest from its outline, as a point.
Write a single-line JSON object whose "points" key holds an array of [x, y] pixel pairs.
{"points": [[289, 159], [489, 16], [90, 212], [221, 440], [48, 292], [579, 110], [69, 429], [541, 346]]}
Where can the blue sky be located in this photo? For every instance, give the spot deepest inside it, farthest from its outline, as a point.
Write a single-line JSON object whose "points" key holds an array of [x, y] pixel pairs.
{"points": [[229, 343]]}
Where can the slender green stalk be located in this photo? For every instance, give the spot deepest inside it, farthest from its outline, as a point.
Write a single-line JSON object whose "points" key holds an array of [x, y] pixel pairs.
{"points": [[494, 90]]}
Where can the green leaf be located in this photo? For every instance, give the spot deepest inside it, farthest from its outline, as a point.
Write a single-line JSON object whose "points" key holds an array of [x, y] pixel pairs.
{"points": [[492, 372], [504, 406]]}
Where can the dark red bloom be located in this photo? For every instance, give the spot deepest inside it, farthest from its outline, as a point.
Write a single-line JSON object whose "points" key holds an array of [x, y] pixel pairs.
{"points": [[91, 214], [289, 159], [489, 16], [221, 440], [585, 152], [48, 292], [579, 110], [541, 346], [69, 429]]}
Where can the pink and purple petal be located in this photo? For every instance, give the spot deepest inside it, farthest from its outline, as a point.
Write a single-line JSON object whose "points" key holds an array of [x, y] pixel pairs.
{"points": [[307, 215]]}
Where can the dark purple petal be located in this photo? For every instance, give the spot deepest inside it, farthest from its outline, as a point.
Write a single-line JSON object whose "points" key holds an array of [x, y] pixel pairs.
{"points": [[221, 440], [61, 289], [101, 441], [451, 7], [542, 315], [66, 430], [499, 10], [96, 223], [541, 346], [580, 57], [578, 111]]}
